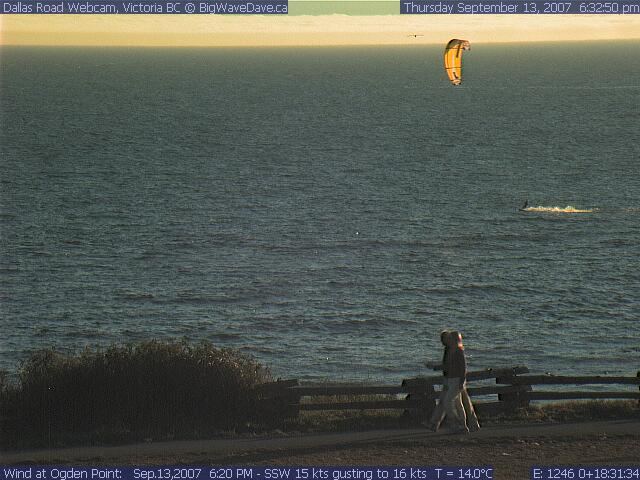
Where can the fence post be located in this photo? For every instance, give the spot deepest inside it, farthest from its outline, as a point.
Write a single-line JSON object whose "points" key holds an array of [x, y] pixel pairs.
{"points": [[293, 403], [429, 399], [423, 394], [279, 401], [515, 400], [507, 399]]}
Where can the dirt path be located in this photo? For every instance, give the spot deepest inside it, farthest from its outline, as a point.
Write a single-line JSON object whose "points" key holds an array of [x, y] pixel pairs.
{"points": [[512, 449]]}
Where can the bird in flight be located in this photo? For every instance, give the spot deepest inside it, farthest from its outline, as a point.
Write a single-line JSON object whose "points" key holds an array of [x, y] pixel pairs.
{"points": [[415, 35]]}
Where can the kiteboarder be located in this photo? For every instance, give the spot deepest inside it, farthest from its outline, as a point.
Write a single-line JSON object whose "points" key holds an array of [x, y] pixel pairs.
{"points": [[526, 204], [454, 400]]}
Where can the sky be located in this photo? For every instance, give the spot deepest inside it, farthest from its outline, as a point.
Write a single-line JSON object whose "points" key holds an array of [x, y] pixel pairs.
{"points": [[305, 29]]}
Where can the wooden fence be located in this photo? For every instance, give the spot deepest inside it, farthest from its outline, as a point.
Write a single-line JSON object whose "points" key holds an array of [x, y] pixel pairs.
{"points": [[417, 396]]}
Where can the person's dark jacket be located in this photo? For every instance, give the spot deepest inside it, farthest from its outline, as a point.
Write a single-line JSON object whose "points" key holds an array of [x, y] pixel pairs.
{"points": [[454, 365]]}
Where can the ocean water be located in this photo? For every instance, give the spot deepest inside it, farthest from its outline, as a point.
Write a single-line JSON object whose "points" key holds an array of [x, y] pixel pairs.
{"points": [[326, 210]]}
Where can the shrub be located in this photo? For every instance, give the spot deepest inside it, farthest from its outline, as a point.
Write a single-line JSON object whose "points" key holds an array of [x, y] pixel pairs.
{"points": [[152, 389]]}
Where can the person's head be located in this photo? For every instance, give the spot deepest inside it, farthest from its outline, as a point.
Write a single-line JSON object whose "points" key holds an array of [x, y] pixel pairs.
{"points": [[455, 339], [444, 337]]}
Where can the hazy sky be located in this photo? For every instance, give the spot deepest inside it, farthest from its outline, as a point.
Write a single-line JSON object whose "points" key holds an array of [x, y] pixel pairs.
{"points": [[337, 29]]}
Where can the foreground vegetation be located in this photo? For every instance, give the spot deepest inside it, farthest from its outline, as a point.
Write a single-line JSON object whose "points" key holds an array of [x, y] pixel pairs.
{"points": [[170, 390], [154, 389]]}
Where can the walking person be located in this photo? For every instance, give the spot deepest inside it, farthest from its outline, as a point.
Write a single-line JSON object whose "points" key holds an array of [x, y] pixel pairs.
{"points": [[468, 411], [454, 400]]}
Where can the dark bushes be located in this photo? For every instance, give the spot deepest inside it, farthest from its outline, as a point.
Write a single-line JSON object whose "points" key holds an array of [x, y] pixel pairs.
{"points": [[153, 389]]}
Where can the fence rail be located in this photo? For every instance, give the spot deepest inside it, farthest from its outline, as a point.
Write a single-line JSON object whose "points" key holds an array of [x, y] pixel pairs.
{"points": [[513, 388]]}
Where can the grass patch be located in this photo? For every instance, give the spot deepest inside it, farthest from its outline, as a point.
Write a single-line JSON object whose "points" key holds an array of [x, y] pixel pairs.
{"points": [[349, 420], [575, 411], [558, 412]]}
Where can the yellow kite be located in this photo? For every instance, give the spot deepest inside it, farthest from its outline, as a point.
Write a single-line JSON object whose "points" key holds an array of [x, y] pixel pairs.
{"points": [[453, 59]]}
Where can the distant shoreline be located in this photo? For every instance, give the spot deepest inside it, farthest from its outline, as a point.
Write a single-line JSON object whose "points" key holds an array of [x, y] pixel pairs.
{"points": [[432, 44]]}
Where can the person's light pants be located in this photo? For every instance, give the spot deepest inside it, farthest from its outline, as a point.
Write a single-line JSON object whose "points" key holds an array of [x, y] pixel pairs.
{"points": [[455, 402]]}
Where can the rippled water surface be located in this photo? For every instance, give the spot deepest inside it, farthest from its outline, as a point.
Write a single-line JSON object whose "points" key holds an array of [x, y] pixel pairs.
{"points": [[328, 211]]}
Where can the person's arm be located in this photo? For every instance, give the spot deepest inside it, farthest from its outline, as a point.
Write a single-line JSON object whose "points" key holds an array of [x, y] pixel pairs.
{"points": [[433, 365]]}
